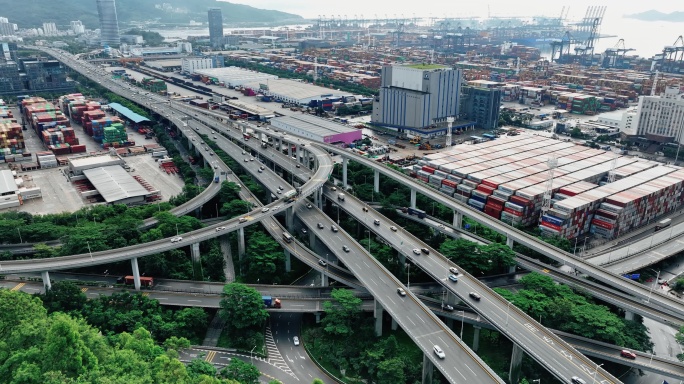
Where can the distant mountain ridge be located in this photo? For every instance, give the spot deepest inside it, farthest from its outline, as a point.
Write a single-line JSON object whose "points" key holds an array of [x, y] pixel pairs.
{"points": [[33, 13], [653, 15]]}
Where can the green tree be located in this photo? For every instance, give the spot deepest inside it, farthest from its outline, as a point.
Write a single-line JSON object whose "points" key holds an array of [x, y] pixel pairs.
{"points": [[342, 315], [391, 371], [241, 307], [65, 350], [240, 371], [64, 296], [315, 381], [198, 367], [235, 208]]}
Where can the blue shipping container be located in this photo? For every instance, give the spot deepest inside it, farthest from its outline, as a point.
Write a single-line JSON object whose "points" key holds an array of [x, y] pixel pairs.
{"points": [[552, 220]]}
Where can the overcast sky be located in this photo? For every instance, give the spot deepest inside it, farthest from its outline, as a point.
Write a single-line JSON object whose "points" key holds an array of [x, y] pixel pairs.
{"points": [[441, 8]]}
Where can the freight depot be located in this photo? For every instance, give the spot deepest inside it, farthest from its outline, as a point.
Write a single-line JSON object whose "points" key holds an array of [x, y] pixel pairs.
{"points": [[507, 178]]}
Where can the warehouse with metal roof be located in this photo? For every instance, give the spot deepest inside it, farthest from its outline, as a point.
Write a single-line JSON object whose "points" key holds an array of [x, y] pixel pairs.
{"points": [[128, 114], [295, 92], [236, 76], [79, 164], [116, 186], [317, 129]]}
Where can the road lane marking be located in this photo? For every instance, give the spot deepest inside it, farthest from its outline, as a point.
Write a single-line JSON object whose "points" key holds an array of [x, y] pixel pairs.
{"points": [[210, 356], [84, 290], [197, 301], [146, 294]]}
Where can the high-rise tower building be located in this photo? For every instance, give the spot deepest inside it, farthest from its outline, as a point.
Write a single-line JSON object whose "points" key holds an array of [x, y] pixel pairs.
{"points": [[215, 27], [109, 24]]}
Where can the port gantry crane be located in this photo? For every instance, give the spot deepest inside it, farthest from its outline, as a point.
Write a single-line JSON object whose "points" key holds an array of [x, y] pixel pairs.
{"points": [[673, 56], [614, 57]]}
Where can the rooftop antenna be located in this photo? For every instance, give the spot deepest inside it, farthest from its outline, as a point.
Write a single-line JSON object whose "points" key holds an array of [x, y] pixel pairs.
{"points": [[552, 162]]}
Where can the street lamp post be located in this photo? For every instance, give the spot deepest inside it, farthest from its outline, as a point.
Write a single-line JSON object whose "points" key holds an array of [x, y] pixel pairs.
{"points": [[652, 286], [596, 371], [408, 275], [508, 309], [20, 240], [91, 253], [250, 355], [176, 229], [462, 320]]}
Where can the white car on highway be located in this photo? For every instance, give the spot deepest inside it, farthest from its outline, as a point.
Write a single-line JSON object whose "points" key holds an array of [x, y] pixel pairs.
{"points": [[176, 239]]}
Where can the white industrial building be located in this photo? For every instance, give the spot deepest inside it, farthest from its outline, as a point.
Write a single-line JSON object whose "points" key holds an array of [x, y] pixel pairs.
{"points": [[295, 92], [192, 64], [237, 76], [658, 118], [13, 192], [79, 164]]}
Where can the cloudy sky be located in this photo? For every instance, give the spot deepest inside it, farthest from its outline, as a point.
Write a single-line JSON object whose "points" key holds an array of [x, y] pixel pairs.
{"points": [[441, 8]]}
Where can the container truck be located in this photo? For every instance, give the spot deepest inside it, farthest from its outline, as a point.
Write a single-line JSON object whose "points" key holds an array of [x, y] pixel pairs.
{"points": [[663, 224], [144, 281], [271, 302]]}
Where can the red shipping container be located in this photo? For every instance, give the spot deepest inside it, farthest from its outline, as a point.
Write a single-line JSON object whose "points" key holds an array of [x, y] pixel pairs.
{"points": [[428, 169], [489, 183], [520, 200], [485, 189], [512, 212], [549, 225], [449, 183], [494, 214], [602, 224], [494, 205]]}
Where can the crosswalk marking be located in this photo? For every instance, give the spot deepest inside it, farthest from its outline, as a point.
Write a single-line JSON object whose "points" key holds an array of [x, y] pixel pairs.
{"points": [[18, 286]]}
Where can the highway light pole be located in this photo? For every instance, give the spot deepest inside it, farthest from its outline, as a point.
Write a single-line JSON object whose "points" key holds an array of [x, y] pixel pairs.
{"points": [[20, 240], [508, 309], [408, 275], [653, 285], [250, 355], [596, 370], [462, 319], [91, 253]]}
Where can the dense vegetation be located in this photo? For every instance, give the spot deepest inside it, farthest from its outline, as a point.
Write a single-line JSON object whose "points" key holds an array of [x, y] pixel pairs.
{"points": [[33, 13], [149, 37], [242, 309], [38, 347], [561, 308]]}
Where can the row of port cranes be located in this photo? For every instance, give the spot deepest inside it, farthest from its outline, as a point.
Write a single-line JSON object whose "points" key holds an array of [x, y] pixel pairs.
{"points": [[508, 179]]}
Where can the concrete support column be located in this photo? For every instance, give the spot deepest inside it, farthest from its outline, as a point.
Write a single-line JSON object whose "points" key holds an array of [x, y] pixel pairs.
{"points": [[428, 369], [509, 242], [324, 279], [46, 280], [516, 361], [288, 262], [136, 273], [195, 253], [413, 198], [511, 269], [345, 163], [261, 137], [241, 242], [629, 315], [377, 313], [312, 239], [394, 324], [402, 258], [320, 198], [289, 149], [316, 197], [376, 181], [476, 337], [318, 317], [458, 220], [289, 219]]}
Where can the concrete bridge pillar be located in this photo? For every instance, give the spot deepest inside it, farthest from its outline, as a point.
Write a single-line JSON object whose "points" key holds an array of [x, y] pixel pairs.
{"points": [[324, 279], [516, 361], [289, 149], [376, 181], [509, 242], [476, 337], [458, 220], [345, 163], [511, 269], [378, 318], [428, 369], [312, 239], [629, 315], [402, 258], [318, 317], [394, 324], [288, 262], [241, 242], [289, 219], [413, 198], [136, 273], [195, 252], [46, 280]]}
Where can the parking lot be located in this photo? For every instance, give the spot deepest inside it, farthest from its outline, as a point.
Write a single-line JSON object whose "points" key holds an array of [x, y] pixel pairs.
{"points": [[59, 195]]}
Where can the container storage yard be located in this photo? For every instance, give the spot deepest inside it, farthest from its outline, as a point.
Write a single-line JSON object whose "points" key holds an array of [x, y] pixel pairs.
{"points": [[507, 179]]}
